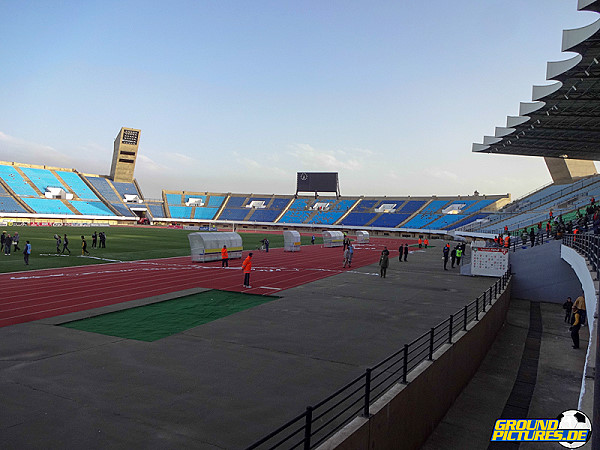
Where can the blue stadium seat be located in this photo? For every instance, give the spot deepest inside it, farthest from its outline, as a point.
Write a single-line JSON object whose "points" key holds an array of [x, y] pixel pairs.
{"points": [[92, 208], [125, 188], [389, 220], [234, 214], [181, 212], [174, 199], [358, 218], [47, 206], [78, 186], [10, 205], [215, 201], [15, 181], [122, 209], [264, 215], [205, 213], [156, 210], [43, 179], [103, 187], [236, 202]]}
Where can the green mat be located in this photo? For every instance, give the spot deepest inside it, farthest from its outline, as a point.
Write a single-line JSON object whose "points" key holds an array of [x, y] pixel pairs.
{"points": [[159, 320]]}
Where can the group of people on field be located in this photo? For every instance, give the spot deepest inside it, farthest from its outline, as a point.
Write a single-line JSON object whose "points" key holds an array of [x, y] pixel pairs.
{"points": [[7, 242], [64, 241]]}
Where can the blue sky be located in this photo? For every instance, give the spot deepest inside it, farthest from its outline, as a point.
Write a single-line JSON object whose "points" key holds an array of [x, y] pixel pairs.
{"points": [[237, 96]]}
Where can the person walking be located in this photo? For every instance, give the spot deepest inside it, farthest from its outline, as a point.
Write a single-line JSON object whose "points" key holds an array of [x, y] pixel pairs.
{"points": [[16, 241], [400, 252], [58, 242], [312, 240], [426, 242], [350, 253], [94, 239], [405, 251], [7, 244], [267, 245], [26, 253], [102, 237], [66, 245], [568, 307], [459, 253], [247, 267], [575, 326], [384, 262], [453, 257], [532, 236], [446, 253], [84, 250], [346, 257], [224, 257], [420, 241]]}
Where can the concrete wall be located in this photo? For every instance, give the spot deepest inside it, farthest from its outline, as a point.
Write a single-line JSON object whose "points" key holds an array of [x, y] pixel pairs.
{"points": [[407, 414], [565, 171], [541, 275]]}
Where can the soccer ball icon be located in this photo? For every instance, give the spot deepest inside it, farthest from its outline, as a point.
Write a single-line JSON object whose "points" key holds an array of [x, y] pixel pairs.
{"points": [[574, 420]]}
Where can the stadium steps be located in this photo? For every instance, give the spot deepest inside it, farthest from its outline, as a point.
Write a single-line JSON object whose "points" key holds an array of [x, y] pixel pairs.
{"points": [[16, 197], [222, 208], [70, 190], [354, 205], [28, 181], [166, 203], [98, 194], [70, 207], [278, 218]]}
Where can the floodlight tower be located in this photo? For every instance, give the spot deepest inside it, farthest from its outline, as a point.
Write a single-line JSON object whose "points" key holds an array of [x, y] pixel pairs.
{"points": [[124, 155]]}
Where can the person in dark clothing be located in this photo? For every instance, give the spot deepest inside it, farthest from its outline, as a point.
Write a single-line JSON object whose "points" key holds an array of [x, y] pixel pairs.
{"points": [[532, 236], [446, 253], [102, 237], [2, 240], [575, 326], [267, 245], [405, 251], [7, 244], [58, 242], [312, 240], [453, 257], [568, 307], [66, 245], [16, 241], [400, 252], [84, 250], [94, 239], [384, 262]]}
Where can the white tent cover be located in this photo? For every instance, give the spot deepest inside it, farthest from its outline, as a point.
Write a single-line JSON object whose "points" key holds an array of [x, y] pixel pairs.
{"points": [[206, 245], [291, 241], [362, 237], [333, 238]]}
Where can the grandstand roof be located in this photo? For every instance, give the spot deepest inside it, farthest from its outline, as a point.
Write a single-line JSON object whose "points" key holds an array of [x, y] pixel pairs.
{"points": [[563, 119]]}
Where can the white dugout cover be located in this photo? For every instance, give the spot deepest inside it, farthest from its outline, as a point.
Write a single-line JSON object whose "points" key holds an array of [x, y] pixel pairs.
{"points": [[362, 237], [291, 241], [206, 246], [333, 238]]}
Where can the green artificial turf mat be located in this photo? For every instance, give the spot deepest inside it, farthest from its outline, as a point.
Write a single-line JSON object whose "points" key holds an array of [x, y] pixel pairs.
{"points": [[162, 319]]}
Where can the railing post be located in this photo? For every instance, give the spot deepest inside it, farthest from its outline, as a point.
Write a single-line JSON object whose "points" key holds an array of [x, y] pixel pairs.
{"points": [[307, 427], [490, 295], [450, 329], [431, 333], [405, 364], [483, 308], [465, 320], [367, 393], [495, 290], [477, 308]]}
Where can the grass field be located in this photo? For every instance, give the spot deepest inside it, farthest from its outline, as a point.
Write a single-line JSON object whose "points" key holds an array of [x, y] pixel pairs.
{"points": [[122, 244]]}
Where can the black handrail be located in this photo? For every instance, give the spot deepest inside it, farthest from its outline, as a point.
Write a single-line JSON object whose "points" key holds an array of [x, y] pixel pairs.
{"points": [[323, 419], [589, 246]]}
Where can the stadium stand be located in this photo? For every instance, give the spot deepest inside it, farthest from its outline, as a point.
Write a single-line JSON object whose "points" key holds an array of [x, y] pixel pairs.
{"points": [[43, 179], [47, 205], [156, 209], [10, 205], [180, 212], [15, 181], [77, 185], [274, 207], [297, 212], [103, 186], [91, 208], [337, 208]]}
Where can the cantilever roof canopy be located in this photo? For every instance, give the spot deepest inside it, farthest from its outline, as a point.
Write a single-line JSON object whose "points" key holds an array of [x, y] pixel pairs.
{"points": [[563, 121]]}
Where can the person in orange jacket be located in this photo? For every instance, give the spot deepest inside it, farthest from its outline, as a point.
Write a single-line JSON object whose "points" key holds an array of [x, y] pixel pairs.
{"points": [[420, 242], [247, 267], [426, 242], [224, 257]]}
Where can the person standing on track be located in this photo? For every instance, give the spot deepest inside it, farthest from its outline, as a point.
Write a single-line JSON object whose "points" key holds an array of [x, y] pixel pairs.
{"points": [[66, 245], [384, 262], [446, 253], [247, 267], [400, 252], [405, 251], [26, 253], [224, 257], [312, 240]]}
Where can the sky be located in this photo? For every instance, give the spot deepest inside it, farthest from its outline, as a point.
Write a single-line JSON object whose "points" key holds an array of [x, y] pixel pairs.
{"points": [[238, 96]]}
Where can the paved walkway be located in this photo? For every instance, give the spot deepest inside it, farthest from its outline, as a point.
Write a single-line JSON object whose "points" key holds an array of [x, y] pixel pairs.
{"points": [[469, 423]]}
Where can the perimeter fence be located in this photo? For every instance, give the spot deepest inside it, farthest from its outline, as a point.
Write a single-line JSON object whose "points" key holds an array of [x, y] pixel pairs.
{"points": [[320, 421]]}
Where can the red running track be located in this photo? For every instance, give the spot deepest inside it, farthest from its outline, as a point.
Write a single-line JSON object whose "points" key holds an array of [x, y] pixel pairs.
{"points": [[39, 294]]}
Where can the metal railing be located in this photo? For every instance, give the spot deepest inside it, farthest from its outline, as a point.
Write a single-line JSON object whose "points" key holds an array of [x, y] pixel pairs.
{"points": [[321, 420], [588, 245]]}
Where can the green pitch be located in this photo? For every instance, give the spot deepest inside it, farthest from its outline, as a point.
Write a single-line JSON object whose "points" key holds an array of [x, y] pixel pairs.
{"points": [[123, 243], [159, 320]]}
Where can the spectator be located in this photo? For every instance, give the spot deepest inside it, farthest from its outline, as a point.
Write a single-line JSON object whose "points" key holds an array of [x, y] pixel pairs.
{"points": [[575, 326]]}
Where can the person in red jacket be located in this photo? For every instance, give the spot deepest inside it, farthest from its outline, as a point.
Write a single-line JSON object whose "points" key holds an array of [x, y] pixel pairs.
{"points": [[420, 242], [247, 267], [224, 257]]}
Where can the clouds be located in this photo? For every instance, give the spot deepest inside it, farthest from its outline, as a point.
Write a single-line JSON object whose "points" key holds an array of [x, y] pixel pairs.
{"points": [[310, 158]]}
